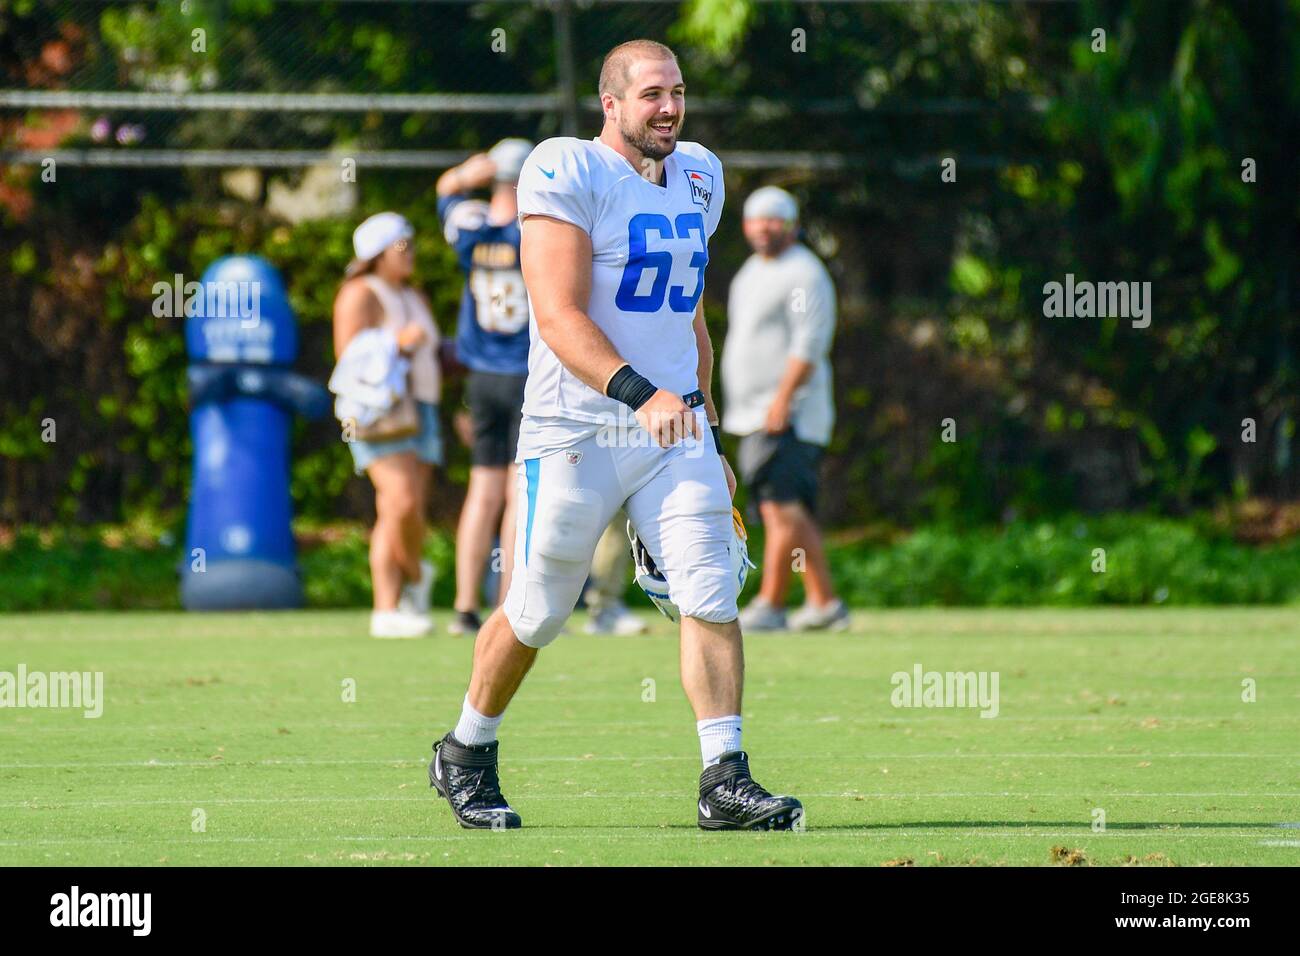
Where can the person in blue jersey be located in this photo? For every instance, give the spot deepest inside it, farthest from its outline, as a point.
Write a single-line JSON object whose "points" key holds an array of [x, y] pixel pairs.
{"points": [[492, 342]]}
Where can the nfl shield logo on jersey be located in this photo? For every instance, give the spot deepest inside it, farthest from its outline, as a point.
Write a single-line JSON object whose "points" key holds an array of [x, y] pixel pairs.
{"points": [[573, 457], [701, 187]]}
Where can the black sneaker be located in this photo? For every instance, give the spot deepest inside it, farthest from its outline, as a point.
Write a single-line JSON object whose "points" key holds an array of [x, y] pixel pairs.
{"points": [[731, 800], [466, 777], [467, 623]]}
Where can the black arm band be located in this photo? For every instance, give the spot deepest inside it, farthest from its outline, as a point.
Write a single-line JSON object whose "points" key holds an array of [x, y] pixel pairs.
{"points": [[630, 388], [717, 438]]}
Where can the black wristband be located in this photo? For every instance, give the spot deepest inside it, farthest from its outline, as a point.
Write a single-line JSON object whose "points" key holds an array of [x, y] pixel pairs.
{"points": [[630, 388], [717, 438]]}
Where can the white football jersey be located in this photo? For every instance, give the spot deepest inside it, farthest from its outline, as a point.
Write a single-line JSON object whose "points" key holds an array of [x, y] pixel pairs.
{"points": [[650, 247]]}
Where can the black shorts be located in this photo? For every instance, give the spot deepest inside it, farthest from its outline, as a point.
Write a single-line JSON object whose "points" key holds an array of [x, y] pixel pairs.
{"points": [[495, 405], [780, 467]]}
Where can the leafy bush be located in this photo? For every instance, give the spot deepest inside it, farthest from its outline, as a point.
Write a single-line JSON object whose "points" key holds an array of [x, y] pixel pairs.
{"points": [[116, 387], [1147, 561]]}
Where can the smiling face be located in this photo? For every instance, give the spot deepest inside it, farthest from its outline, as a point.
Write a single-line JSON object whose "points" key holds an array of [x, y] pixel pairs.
{"points": [[650, 112]]}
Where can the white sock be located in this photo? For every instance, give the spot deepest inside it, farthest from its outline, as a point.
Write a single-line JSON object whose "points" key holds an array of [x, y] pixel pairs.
{"points": [[474, 729], [718, 735]]}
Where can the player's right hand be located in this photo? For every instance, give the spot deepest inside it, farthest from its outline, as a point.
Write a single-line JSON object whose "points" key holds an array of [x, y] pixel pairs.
{"points": [[668, 419]]}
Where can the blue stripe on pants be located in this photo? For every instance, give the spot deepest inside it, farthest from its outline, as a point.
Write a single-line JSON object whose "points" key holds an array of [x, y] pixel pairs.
{"points": [[531, 471]]}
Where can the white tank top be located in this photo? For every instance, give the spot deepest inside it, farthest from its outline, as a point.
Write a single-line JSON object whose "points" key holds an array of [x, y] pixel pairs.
{"points": [[401, 306]]}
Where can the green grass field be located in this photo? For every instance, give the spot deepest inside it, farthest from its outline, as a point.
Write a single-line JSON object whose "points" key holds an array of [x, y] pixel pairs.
{"points": [[242, 717]]}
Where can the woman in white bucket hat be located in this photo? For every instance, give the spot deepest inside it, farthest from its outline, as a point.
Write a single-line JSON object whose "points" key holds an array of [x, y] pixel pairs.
{"points": [[377, 295]]}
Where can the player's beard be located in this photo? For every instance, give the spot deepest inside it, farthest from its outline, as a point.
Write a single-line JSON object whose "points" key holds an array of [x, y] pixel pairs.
{"points": [[645, 140]]}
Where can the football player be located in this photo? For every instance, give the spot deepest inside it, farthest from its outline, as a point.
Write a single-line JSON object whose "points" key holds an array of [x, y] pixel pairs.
{"points": [[617, 413], [492, 341]]}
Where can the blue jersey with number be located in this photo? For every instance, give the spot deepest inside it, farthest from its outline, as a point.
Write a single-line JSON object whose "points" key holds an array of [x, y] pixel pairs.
{"points": [[492, 328], [650, 247]]}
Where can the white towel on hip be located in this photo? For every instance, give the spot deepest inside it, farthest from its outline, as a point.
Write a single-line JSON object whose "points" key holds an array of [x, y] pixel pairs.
{"points": [[370, 377]]}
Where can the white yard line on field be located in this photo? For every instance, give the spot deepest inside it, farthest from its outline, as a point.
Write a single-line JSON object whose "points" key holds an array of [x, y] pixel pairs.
{"points": [[231, 761], [647, 832], [420, 797], [579, 728]]}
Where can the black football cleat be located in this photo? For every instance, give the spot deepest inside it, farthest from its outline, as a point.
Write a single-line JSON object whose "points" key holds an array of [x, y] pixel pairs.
{"points": [[466, 777], [731, 800]]}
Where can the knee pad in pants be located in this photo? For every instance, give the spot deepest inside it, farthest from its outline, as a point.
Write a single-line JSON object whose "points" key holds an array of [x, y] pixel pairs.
{"points": [[557, 558]]}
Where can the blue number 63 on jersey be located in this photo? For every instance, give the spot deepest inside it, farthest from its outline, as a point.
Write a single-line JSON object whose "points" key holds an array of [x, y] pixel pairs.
{"points": [[639, 259]]}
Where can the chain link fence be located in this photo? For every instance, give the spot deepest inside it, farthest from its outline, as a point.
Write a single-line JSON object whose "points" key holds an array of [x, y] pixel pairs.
{"points": [[419, 84]]}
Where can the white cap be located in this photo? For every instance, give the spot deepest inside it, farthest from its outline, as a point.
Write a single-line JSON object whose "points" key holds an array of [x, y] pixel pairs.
{"points": [[509, 156], [771, 202], [378, 233]]}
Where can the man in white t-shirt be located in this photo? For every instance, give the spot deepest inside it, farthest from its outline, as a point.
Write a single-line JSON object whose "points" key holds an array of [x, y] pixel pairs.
{"points": [[776, 371], [617, 414]]}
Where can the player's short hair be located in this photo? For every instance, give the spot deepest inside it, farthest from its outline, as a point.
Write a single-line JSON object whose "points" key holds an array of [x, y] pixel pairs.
{"points": [[616, 70]]}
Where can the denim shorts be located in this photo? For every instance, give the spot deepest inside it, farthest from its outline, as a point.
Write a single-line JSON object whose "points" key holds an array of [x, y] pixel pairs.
{"points": [[427, 443]]}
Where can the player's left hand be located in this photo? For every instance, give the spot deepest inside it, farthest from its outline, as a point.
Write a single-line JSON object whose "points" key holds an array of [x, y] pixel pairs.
{"points": [[731, 476], [778, 417], [668, 419]]}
